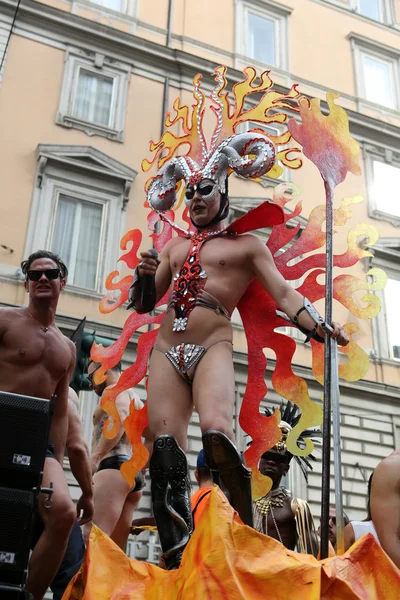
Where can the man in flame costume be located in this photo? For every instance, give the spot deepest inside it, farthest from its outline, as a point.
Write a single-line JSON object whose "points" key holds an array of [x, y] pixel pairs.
{"points": [[193, 364], [277, 513], [208, 269]]}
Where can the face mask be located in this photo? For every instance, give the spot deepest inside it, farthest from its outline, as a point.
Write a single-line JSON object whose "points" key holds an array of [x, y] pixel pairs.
{"points": [[207, 189]]}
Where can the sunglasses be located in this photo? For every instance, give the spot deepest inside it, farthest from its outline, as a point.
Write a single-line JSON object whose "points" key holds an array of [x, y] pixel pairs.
{"points": [[48, 273], [90, 375], [203, 190]]}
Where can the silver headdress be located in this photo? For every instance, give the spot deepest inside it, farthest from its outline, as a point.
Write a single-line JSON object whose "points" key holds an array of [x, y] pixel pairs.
{"points": [[248, 154]]}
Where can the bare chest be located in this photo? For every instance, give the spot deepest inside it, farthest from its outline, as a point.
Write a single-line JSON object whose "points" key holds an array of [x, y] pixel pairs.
{"points": [[277, 517], [283, 515], [26, 345], [219, 255]]}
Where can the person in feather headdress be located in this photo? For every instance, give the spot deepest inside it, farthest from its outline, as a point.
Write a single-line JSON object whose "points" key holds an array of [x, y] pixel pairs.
{"points": [[278, 514]]}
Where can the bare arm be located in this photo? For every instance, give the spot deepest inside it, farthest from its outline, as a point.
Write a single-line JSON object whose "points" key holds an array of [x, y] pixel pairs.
{"points": [[286, 297], [77, 450], [312, 540], [348, 536], [160, 268], [385, 505], [79, 460], [105, 445], [59, 421]]}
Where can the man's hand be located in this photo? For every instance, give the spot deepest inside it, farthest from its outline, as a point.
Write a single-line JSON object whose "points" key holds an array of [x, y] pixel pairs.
{"points": [[338, 334], [85, 509], [148, 265]]}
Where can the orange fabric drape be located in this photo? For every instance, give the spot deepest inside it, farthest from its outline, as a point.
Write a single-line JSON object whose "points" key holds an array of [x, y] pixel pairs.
{"points": [[228, 560]]}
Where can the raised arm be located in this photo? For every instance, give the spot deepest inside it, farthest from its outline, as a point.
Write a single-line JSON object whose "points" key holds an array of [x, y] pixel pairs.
{"points": [[59, 421], [286, 297], [105, 445], [385, 505], [152, 279]]}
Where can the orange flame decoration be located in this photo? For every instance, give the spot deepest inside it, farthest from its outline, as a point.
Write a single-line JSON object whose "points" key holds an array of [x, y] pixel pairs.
{"points": [[260, 326], [229, 117], [326, 140]]}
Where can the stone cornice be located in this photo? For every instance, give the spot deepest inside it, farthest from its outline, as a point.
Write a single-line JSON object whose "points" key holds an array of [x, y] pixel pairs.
{"points": [[373, 44], [76, 156], [46, 23]]}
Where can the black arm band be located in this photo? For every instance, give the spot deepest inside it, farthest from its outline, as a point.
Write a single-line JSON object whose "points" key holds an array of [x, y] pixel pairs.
{"points": [[316, 317], [142, 293], [310, 334]]}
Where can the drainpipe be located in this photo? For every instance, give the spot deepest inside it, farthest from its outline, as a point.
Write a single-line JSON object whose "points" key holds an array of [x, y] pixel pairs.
{"points": [[165, 101], [166, 81]]}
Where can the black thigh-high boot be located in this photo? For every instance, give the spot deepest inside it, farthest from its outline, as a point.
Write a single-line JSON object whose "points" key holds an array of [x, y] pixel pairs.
{"points": [[170, 493], [221, 455]]}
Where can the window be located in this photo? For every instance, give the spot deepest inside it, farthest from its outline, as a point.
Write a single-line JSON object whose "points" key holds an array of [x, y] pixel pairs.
{"points": [[381, 11], [382, 168], [78, 212], [93, 98], [124, 7], [77, 238], [5, 26], [112, 4], [386, 326], [377, 72], [378, 10], [385, 187], [261, 38], [94, 94], [261, 32], [391, 296], [370, 8], [378, 78]]}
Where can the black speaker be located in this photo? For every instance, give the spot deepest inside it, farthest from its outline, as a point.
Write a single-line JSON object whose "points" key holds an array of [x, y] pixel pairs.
{"points": [[14, 592], [16, 519], [25, 424]]}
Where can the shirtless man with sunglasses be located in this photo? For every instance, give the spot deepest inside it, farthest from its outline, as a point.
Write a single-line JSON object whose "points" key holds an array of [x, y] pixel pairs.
{"points": [[36, 359]]}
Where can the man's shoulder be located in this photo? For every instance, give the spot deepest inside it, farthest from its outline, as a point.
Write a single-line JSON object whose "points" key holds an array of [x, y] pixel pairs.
{"points": [[250, 241], [9, 316], [12, 311], [175, 241], [128, 395], [299, 507], [388, 471], [244, 238], [68, 343], [390, 461]]}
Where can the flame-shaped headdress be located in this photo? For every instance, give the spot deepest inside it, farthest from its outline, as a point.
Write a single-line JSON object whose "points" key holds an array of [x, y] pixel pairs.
{"points": [[250, 154]]}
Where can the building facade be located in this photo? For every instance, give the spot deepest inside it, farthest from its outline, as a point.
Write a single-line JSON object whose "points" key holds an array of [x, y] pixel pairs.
{"points": [[83, 88]]}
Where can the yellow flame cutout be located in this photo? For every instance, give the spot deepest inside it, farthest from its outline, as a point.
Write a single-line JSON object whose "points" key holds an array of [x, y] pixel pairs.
{"points": [[229, 115]]}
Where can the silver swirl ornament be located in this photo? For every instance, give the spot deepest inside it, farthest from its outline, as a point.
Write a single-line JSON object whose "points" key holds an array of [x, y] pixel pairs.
{"points": [[161, 194], [250, 154]]}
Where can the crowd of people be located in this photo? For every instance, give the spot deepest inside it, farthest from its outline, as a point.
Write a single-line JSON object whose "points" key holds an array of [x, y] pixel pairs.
{"points": [[194, 369]]}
